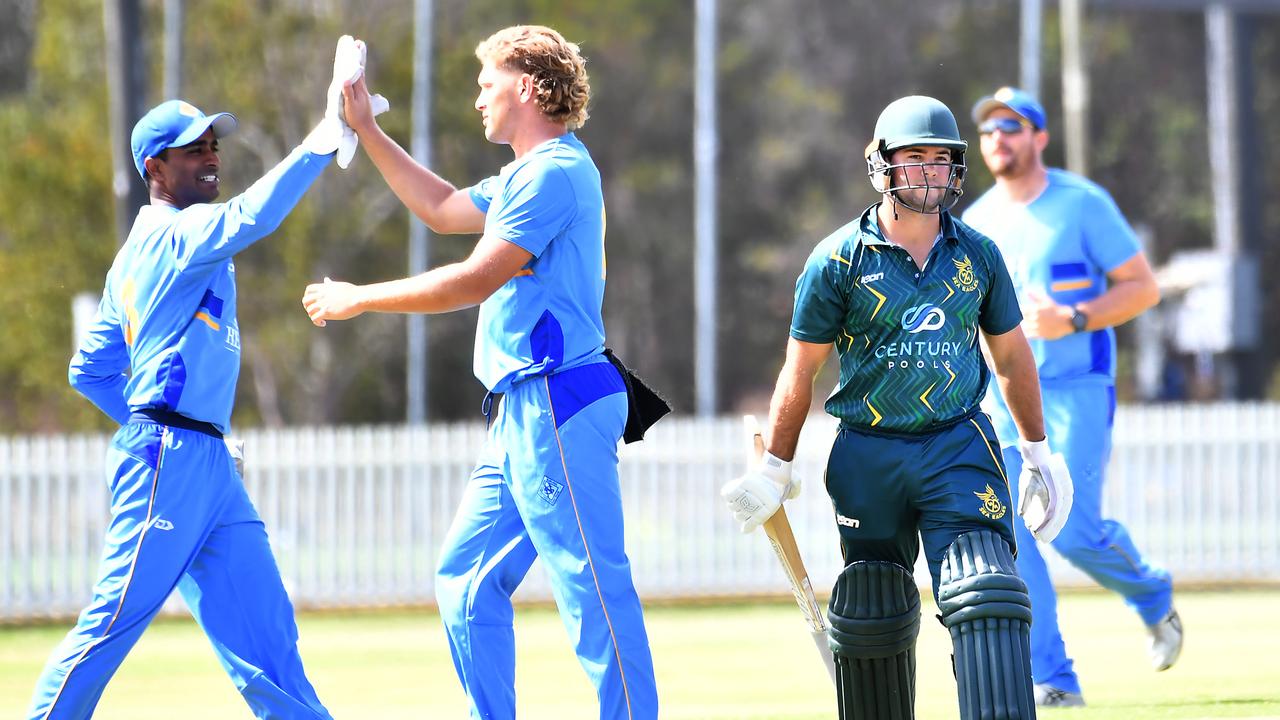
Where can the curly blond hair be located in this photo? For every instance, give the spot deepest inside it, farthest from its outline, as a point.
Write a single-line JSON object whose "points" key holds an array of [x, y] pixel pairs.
{"points": [[558, 69]]}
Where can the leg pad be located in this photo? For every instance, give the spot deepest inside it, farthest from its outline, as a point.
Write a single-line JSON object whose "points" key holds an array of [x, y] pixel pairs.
{"points": [[875, 618], [986, 608]]}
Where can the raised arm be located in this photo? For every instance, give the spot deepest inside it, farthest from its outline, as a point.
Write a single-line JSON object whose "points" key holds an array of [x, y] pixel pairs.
{"points": [[435, 201]]}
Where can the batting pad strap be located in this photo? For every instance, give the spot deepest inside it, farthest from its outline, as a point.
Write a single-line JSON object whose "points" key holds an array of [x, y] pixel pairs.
{"points": [[874, 611], [990, 595]]}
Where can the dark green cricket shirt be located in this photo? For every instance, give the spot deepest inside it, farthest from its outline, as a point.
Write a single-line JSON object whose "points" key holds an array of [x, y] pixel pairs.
{"points": [[907, 338]]}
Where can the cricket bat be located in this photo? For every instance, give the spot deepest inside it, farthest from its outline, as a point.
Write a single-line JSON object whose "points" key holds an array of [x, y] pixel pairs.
{"points": [[778, 530]]}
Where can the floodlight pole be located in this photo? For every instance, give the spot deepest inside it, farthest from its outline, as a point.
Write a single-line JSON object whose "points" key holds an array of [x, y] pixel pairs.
{"points": [[705, 145], [1029, 47], [419, 238], [126, 84], [173, 21], [1075, 87]]}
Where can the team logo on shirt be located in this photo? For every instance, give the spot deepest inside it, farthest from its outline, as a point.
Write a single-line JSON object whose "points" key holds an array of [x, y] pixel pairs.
{"points": [[991, 506], [965, 279], [923, 317], [550, 490]]}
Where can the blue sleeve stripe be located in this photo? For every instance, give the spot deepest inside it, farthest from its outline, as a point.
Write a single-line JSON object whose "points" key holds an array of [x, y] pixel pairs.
{"points": [[1065, 271], [212, 303]]}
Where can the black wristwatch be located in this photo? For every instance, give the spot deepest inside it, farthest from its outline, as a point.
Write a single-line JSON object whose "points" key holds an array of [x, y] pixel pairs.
{"points": [[1079, 321]]}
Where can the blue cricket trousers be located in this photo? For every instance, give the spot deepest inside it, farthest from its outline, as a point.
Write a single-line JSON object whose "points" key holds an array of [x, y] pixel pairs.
{"points": [[546, 486], [1078, 420], [180, 517]]}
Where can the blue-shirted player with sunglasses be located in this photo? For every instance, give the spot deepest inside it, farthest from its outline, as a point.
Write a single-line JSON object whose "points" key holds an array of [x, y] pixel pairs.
{"points": [[1079, 271]]}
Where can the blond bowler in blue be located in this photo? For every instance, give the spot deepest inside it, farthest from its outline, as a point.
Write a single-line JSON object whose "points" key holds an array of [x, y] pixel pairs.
{"points": [[546, 484]]}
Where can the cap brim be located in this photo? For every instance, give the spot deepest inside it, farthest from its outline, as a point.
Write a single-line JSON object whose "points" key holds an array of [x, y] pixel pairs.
{"points": [[223, 124], [984, 107]]}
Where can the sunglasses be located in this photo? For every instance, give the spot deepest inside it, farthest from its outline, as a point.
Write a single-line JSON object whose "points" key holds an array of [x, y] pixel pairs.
{"points": [[1006, 125]]}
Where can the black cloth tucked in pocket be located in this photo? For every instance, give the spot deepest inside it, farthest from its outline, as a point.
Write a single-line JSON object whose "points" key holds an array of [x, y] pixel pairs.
{"points": [[644, 405]]}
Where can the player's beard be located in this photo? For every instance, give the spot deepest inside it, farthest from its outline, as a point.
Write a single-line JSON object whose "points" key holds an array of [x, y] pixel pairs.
{"points": [[1009, 166]]}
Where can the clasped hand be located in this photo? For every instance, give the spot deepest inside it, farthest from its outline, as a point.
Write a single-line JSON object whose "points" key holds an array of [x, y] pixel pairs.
{"points": [[1045, 490], [756, 496]]}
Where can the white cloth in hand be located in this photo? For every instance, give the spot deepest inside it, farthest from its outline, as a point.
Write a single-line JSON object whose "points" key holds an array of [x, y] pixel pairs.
{"points": [[756, 496], [333, 134], [235, 446], [1045, 489]]}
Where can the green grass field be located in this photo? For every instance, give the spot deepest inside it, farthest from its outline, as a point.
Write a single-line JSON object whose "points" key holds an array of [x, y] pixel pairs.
{"points": [[713, 662]]}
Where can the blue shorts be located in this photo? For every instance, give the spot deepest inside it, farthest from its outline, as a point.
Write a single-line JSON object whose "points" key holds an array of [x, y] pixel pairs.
{"points": [[180, 518], [547, 486]]}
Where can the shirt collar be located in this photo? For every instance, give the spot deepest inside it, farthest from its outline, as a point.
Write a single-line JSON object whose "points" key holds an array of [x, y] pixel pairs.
{"points": [[871, 235]]}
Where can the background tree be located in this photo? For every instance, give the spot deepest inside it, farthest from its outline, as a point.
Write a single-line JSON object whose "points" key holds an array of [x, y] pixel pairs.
{"points": [[801, 84]]}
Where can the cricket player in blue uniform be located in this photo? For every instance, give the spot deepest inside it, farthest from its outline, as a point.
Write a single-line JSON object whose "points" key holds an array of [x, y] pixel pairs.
{"points": [[546, 484], [906, 294], [1079, 271], [161, 358]]}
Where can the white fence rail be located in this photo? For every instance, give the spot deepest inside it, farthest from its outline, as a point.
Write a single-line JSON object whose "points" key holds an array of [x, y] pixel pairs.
{"points": [[356, 514]]}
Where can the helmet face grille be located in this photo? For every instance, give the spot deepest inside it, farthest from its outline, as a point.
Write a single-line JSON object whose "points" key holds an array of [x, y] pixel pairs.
{"points": [[935, 198]]}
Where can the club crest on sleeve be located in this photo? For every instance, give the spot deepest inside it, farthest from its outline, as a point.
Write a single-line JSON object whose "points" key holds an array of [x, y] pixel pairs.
{"points": [[965, 279], [550, 490], [991, 505]]}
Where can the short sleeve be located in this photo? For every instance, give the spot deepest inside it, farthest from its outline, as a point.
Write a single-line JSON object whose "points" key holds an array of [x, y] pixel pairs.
{"points": [[1108, 239], [820, 302], [536, 205], [1000, 312], [482, 193]]}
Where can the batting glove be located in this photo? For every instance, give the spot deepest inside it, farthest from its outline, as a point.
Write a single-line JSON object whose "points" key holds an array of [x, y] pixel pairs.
{"points": [[1045, 488], [756, 496], [333, 134]]}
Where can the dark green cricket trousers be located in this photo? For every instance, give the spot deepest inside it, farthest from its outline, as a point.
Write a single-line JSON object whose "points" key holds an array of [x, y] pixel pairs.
{"points": [[892, 491]]}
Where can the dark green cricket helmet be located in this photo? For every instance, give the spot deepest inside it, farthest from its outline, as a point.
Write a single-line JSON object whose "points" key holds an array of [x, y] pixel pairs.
{"points": [[916, 121]]}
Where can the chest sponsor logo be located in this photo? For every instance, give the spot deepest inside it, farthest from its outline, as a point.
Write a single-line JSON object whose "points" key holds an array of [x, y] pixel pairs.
{"points": [[922, 318], [872, 277], [991, 506], [848, 521], [965, 279]]}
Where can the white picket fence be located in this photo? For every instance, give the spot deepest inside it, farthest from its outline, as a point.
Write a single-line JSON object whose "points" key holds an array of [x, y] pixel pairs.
{"points": [[356, 515]]}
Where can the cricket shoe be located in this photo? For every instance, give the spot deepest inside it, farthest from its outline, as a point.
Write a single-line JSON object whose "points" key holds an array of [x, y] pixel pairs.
{"points": [[1166, 641], [1050, 696]]}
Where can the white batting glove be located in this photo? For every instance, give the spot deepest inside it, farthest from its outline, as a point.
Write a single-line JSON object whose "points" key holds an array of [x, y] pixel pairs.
{"points": [[756, 496], [333, 134], [1045, 490], [235, 446]]}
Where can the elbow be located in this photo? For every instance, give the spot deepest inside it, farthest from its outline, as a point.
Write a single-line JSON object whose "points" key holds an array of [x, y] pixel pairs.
{"points": [[1153, 296]]}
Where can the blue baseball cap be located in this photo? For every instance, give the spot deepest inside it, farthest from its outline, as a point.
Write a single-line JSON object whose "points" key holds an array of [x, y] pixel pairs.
{"points": [[1010, 98], [174, 123]]}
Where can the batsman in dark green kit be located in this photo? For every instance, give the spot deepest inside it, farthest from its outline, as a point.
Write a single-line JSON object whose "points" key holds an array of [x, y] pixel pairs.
{"points": [[909, 297]]}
